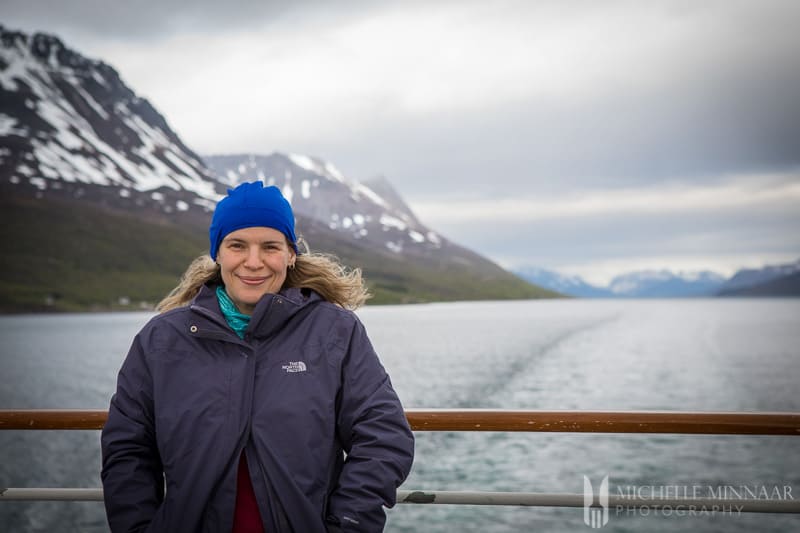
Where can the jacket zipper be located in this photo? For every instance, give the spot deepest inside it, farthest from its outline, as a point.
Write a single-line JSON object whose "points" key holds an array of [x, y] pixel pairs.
{"points": [[248, 408]]}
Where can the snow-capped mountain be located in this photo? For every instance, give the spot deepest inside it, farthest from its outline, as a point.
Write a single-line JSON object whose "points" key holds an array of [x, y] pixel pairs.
{"points": [[640, 284], [569, 285], [773, 280], [318, 190], [665, 284], [750, 277], [70, 124]]}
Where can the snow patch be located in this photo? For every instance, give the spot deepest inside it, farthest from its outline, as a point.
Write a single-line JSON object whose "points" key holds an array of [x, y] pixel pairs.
{"points": [[334, 172], [309, 164], [92, 102], [8, 126], [396, 247], [288, 193], [98, 78], [416, 236], [303, 161], [372, 195], [389, 221]]}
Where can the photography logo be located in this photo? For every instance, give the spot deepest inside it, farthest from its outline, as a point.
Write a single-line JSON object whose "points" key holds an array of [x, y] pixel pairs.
{"points": [[595, 513]]}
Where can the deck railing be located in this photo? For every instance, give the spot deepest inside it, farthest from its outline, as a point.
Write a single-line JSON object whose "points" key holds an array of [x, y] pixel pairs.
{"points": [[674, 422], [681, 422]]}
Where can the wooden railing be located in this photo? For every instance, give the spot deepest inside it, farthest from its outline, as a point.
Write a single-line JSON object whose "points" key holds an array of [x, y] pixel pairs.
{"points": [[706, 423]]}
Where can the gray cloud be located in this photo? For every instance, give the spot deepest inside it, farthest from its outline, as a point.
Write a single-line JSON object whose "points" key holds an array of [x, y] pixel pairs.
{"points": [[146, 19], [693, 238], [715, 95], [731, 110]]}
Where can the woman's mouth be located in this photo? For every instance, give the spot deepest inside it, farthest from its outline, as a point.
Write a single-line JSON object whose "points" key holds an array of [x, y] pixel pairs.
{"points": [[248, 280]]}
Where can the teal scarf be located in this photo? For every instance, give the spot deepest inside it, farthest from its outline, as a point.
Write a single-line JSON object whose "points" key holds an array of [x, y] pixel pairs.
{"points": [[236, 320]]}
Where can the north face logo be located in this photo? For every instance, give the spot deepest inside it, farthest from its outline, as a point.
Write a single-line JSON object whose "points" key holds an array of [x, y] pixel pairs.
{"points": [[294, 366]]}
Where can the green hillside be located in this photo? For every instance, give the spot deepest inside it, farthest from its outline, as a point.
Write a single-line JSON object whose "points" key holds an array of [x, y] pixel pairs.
{"points": [[61, 258], [67, 259]]}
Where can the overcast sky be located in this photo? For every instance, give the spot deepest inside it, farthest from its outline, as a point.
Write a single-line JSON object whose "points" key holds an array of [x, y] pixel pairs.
{"points": [[590, 137]]}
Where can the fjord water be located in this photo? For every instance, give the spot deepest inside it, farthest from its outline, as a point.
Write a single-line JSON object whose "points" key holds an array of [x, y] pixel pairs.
{"points": [[687, 355]]}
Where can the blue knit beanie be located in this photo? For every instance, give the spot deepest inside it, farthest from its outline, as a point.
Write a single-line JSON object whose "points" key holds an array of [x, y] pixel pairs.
{"points": [[251, 205]]}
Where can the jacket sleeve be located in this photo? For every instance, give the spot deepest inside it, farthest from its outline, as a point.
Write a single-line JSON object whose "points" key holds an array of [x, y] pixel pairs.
{"points": [[375, 434], [132, 474]]}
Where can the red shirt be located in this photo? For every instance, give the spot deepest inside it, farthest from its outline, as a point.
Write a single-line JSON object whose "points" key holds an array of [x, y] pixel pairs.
{"points": [[246, 517]]}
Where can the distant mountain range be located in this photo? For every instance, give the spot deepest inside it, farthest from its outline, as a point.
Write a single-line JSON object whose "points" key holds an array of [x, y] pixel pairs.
{"points": [[782, 280], [104, 205]]}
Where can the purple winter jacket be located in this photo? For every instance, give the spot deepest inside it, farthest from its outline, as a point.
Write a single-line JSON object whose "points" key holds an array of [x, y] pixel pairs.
{"points": [[304, 386]]}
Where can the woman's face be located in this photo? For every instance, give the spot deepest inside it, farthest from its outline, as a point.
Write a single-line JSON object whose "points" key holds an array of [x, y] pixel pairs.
{"points": [[253, 262]]}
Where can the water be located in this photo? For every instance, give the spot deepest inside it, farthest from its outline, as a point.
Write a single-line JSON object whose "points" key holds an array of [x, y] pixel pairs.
{"points": [[726, 355]]}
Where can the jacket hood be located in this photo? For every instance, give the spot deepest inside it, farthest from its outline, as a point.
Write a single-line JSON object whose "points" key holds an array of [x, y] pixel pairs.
{"points": [[271, 314]]}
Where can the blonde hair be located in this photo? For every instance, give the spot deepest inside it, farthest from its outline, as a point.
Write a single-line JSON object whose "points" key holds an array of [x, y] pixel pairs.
{"points": [[322, 273]]}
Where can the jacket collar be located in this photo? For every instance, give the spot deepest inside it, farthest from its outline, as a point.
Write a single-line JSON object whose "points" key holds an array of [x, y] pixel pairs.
{"points": [[271, 314]]}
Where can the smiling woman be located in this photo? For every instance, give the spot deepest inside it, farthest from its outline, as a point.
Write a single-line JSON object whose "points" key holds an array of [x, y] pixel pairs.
{"points": [[255, 394], [253, 262]]}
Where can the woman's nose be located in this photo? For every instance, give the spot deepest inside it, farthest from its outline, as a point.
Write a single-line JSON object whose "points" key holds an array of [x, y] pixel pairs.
{"points": [[253, 259]]}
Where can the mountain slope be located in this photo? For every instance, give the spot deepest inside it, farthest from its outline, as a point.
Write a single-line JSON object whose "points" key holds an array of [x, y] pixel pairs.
{"points": [[784, 286], [395, 279], [753, 281], [770, 281], [59, 258], [69, 122], [67, 259]]}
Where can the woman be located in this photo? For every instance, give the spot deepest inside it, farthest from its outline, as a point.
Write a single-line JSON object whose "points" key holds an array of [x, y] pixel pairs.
{"points": [[236, 405]]}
